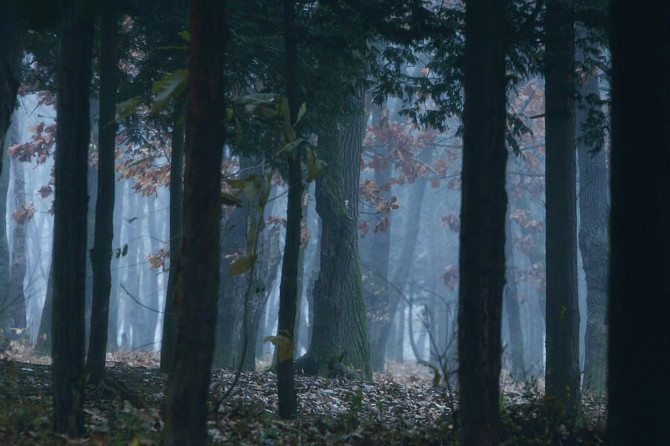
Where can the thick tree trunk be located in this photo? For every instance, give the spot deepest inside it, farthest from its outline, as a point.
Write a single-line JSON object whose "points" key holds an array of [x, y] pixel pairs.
{"points": [[593, 242], [176, 224], [69, 245], [482, 238], [562, 342], [198, 275], [639, 283], [101, 254], [340, 332]]}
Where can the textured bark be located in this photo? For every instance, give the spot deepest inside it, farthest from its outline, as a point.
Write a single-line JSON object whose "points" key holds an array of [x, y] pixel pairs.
{"points": [[593, 243], [562, 341], [4, 244], [511, 302], [11, 51], [70, 206], [176, 224], [101, 254], [482, 238], [198, 276], [339, 332], [639, 283]]}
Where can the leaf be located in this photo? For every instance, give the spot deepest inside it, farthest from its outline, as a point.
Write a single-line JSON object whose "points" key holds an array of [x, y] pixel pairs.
{"points": [[230, 200], [301, 113], [315, 166], [291, 146], [128, 107], [241, 265], [168, 88], [185, 35], [284, 347]]}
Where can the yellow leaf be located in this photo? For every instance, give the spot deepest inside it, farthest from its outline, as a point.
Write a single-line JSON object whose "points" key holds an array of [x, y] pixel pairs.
{"points": [[284, 347]]}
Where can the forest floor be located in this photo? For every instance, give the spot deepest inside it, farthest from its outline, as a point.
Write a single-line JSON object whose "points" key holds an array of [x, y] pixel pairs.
{"points": [[399, 407]]}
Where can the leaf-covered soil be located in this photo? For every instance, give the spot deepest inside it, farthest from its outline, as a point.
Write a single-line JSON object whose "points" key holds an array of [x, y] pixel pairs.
{"points": [[400, 407]]}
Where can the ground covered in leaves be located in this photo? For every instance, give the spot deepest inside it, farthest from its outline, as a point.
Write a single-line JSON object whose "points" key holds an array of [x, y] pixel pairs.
{"points": [[400, 407]]}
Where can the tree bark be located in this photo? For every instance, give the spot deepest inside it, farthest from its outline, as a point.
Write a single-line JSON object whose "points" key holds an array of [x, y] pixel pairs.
{"points": [[639, 283], [198, 274], [16, 296], [562, 342], [101, 254], [176, 224], [511, 302], [482, 238], [593, 242], [339, 332], [70, 206]]}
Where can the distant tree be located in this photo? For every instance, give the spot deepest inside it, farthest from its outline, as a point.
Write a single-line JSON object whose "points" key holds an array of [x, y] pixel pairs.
{"points": [[198, 274], [101, 254], [639, 283], [511, 306], [69, 245], [482, 236], [562, 342], [21, 215]]}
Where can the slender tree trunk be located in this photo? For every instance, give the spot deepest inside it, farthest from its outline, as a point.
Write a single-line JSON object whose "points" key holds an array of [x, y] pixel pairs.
{"points": [[511, 301], [482, 238], [288, 291], [639, 283], [69, 245], [101, 254], [198, 277], [593, 242], [4, 242], [176, 192], [16, 297], [562, 342]]}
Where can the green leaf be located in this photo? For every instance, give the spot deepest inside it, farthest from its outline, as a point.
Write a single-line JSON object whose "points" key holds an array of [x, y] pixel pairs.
{"points": [[128, 107], [284, 347], [315, 166], [301, 113], [291, 146], [185, 35], [168, 88], [261, 110], [241, 265], [230, 200]]}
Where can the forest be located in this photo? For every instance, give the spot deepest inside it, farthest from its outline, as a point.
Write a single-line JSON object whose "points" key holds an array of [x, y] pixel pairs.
{"points": [[334, 222]]}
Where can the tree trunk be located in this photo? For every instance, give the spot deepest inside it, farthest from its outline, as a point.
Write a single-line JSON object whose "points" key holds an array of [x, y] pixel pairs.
{"points": [[288, 289], [511, 301], [562, 342], [4, 242], [593, 242], [176, 224], [69, 245], [482, 237], [11, 52], [375, 252], [198, 275], [339, 332], [639, 283], [101, 254]]}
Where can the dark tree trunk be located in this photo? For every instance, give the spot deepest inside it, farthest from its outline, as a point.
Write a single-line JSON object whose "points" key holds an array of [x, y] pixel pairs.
{"points": [[198, 276], [101, 254], [176, 193], [69, 245], [511, 301], [562, 342], [639, 283], [11, 52], [288, 289], [482, 238], [43, 343], [339, 332], [593, 242]]}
